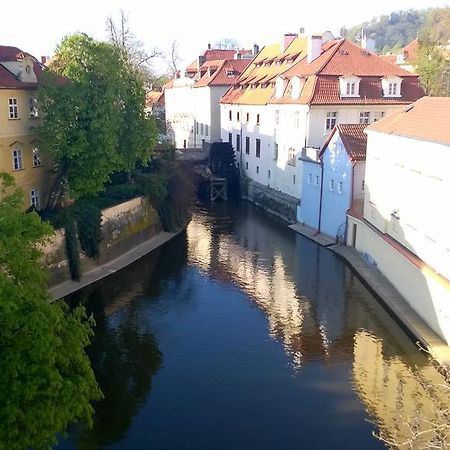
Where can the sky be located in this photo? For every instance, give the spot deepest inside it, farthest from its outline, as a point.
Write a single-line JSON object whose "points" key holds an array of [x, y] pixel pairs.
{"points": [[38, 26]]}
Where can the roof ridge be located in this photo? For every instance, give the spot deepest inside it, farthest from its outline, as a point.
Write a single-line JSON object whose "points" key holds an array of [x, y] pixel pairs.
{"points": [[338, 46]]}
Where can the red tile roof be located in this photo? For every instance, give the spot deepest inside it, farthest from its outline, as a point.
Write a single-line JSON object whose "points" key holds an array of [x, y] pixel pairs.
{"points": [[8, 53], [391, 59], [353, 138], [411, 51], [220, 76], [426, 119], [154, 98], [7, 79]]}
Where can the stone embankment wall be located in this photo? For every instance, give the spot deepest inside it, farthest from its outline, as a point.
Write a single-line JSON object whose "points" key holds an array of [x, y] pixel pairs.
{"points": [[124, 226], [274, 202]]}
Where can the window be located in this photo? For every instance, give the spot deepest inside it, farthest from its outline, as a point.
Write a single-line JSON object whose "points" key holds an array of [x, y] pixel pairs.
{"points": [[230, 117], [391, 86], [33, 108], [248, 117], [238, 142], [238, 116], [246, 165], [268, 174], [291, 156], [310, 178], [377, 115], [275, 152], [362, 185], [201, 129], [392, 89], [13, 108], [206, 130], [247, 145], [317, 180], [257, 119], [297, 119], [17, 159], [230, 138], [258, 148], [293, 179], [340, 186], [331, 121], [34, 198], [36, 157], [331, 185], [277, 117], [257, 169], [364, 117], [350, 88], [197, 127]]}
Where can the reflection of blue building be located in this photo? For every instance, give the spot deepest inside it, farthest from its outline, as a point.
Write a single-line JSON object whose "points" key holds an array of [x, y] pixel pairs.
{"points": [[335, 184]]}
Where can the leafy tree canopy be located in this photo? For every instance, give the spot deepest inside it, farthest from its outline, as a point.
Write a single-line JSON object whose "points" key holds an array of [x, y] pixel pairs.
{"points": [[46, 381], [95, 122], [391, 32]]}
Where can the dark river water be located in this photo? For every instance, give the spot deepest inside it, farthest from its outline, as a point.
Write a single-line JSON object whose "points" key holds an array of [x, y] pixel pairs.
{"points": [[242, 334]]}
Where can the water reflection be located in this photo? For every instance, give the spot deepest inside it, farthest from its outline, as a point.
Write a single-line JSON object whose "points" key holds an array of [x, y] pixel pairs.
{"points": [[124, 353], [320, 311]]}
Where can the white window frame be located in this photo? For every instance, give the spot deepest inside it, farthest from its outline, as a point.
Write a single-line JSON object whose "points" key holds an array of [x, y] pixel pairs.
{"points": [[330, 121], [364, 117], [297, 119], [291, 157], [310, 178], [392, 86], [34, 112], [377, 115], [13, 108], [349, 86], [331, 185], [340, 187], [35, 198], [36, 157], [317, 181], [277, 117], [17, 159]]}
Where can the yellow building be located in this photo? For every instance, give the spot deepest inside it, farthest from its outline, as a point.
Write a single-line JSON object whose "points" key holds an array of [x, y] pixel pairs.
{"points": [[19, 115]]}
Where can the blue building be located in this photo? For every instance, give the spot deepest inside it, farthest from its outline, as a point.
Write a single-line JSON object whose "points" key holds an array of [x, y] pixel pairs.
{"points": [[343, 158], [308, 211]]}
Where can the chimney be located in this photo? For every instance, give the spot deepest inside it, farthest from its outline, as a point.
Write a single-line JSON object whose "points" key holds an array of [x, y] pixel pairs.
{"points": [[44, 59], [368, 43], [314, 47], [288, 38], [255, 49]]}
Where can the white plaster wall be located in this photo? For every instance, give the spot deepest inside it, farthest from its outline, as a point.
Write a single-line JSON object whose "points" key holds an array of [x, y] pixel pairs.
{"points": [[428, 296], [317, 133], [180, 114], [411, 177], [202, 103], [359, 173]]}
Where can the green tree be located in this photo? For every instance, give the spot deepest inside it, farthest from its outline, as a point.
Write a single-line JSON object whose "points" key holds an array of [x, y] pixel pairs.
{"points": [[46, 380], [95, 122]]}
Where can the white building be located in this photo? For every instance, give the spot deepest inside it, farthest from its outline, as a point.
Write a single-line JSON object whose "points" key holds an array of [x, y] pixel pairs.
{"points": [[192, 102], [405, 227], [299, 91]]}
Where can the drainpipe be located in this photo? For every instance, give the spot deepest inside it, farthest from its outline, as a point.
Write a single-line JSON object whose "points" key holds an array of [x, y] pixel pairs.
{"points": [[320, 199]]}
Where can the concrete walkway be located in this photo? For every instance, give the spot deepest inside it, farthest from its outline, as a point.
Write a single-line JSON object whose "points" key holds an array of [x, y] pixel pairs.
{"points": [[397, 306], [312, 234], [70, 286]]}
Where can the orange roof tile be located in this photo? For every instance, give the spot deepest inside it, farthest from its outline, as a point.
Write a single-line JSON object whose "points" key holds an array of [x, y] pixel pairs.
{"points": [[411, 51], [154, 97], [426, 119], [353, 138], [220, 76], [391, 59]]}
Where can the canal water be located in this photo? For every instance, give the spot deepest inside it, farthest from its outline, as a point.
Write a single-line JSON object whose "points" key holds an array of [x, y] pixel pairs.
{"points": [[242, 334]]}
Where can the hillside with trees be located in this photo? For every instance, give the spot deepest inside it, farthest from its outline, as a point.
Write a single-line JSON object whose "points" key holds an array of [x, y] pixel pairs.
{"points": [[391, 32]]}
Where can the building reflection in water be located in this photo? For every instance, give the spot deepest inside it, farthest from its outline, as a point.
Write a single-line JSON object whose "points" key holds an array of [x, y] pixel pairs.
{"points": [[321, 312]]}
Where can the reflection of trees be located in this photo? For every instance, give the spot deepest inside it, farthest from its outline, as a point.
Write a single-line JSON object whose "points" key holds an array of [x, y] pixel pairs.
{"points": [[124, 353], [124, 357]]}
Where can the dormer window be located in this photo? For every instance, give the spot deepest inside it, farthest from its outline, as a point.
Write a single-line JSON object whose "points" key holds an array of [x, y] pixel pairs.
{"points": [[391, 86], [349, 86], [297, 87], [230, 73], [279, 88]]}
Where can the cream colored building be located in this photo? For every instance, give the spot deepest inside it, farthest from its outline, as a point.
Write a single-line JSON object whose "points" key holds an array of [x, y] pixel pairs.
{"points": [[405, 227], [19, 115]]}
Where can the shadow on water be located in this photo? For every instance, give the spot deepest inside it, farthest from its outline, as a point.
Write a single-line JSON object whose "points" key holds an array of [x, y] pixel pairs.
{"points": [[124, 353]]}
